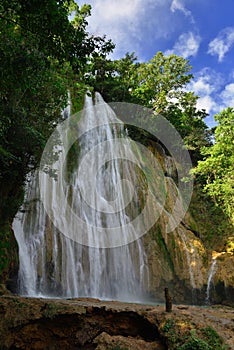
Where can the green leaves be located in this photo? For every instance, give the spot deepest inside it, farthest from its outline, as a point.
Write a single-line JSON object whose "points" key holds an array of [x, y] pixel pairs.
{"points": [[158, 84], [42, 53], [218, 165], [161, 78]]}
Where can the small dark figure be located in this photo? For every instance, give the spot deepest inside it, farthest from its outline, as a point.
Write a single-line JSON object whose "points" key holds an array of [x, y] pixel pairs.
{"points": [[168, 300]]}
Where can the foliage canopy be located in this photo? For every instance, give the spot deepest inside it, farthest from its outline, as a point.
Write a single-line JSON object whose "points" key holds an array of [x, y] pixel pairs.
{"points": [[41, 52], [217, 168], [159, 84]]}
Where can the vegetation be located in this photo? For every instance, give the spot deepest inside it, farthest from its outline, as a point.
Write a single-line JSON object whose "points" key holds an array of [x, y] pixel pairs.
{"points": [[41, 54], [217, 168], [209, 220], [180, 336], [51, 311], [158, 84]]}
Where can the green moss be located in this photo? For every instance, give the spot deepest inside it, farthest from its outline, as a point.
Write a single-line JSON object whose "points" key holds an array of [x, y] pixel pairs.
{"points": [[19, 304], [50, 311], [156, 234], [72, 161], [173, 243]]}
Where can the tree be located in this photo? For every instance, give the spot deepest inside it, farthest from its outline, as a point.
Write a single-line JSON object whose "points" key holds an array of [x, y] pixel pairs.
{"points": [[158, 84], [161, 84], [161, 79], [113, 79], [47, 22], [40, 53], [217, 168], [182, 112]]}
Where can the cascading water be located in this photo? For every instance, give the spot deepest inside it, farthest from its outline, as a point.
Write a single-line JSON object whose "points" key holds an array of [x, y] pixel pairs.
{"points": [[211, 274], [95, 195], [53, 264]]}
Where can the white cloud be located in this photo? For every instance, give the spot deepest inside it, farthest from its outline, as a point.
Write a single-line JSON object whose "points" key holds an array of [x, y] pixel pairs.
{"points": [[207, 84], [186, 46], [222, 43], [109, 17], [227, 95], [214, 94], [114, 9], [207, 103], [177, 5], [131, 25], [201, 87]]}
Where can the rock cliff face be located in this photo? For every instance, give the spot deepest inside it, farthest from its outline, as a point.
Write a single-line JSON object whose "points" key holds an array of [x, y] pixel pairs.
{"points": [[180, 259], [222, 288], [28, 323], [171, 267]]}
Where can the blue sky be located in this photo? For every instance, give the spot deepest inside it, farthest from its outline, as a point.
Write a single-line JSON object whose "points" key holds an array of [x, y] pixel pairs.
{"points": [[199, 30]]}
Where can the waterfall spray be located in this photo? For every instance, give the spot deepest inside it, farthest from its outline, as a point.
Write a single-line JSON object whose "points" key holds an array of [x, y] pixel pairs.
{"points": [[96, 193], [56, 264]]}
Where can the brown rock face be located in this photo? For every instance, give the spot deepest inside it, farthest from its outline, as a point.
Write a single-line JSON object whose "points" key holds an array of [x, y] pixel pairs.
{"points": [[72, 324], [41, 324], [106, 342]]}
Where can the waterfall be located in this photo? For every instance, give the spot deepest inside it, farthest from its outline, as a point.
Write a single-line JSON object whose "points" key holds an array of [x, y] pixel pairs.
{"points": [[100, 264], [210, 278]]}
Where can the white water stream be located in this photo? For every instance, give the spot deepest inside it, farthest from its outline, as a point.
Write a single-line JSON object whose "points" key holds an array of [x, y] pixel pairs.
{"points": [[53, 264], [211, 274]]}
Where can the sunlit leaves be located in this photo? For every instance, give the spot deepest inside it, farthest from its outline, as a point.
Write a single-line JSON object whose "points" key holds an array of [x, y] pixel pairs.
{"points": [[218, 165]]}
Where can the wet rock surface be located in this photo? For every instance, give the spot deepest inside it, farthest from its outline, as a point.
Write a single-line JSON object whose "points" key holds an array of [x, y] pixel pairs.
{"points": [[29, 323]]}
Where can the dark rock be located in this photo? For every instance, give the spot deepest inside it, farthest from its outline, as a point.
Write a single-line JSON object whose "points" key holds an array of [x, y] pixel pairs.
{"points": [[28, 323]]}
